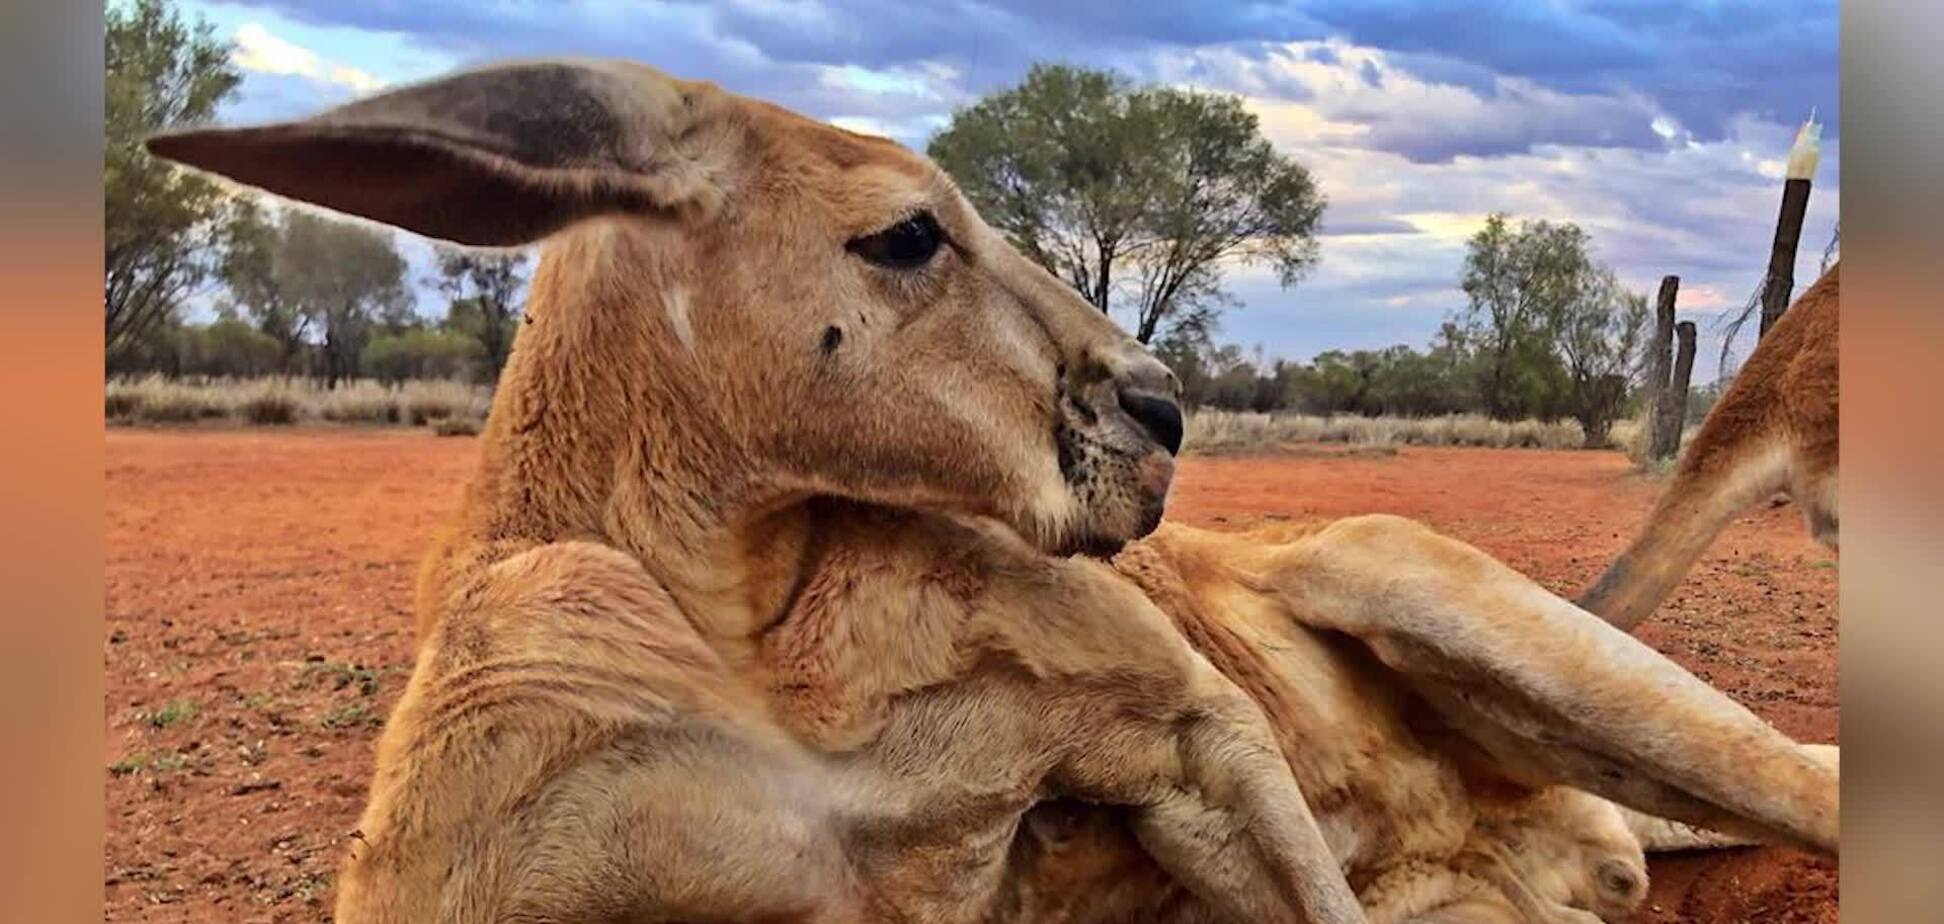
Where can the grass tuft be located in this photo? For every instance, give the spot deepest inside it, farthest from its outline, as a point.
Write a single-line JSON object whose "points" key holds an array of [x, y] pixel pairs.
{"points": [[175, 712], [156, 399], [1216, 432]]}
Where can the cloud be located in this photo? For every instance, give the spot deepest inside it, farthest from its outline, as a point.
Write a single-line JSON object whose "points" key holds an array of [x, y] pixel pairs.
{"points": [[1656, 125], [259, 51], [1360, 96], [1705, 63]]}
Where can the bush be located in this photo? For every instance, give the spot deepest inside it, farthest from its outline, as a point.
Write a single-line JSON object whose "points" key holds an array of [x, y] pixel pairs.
{"points": [[1215, 432], [120, 403], [430, 401], [456, 426], [422, 354], [154, 399], [278, 401], [359, 402], [272, 401]]}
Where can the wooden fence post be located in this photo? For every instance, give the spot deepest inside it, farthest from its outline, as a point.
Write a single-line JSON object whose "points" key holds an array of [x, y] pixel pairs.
{"points": [[1670, 414], [1660, 359], [1780, 281]]}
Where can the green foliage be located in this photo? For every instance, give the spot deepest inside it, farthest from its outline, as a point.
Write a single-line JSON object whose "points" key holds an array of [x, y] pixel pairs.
{"points": [[345, 277], [174, 712], [358, 714], [1142, 191], [226, 347], [1599, 340], [158, 761], [1546, 333], [249, 271], [1517, 283], [161, 225], [423, 353], [485, 290], [1395, 381], [1550, 332]]}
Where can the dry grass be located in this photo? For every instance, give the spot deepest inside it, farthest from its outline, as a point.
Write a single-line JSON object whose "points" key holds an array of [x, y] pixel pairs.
{"points": [[273, 401], [1214, 432], [1630, 437]]}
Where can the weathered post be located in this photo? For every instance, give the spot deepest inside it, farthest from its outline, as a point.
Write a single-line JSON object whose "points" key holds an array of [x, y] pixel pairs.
{"points": [[1660, 357], [1780, 281], [1670, 415], [1660, 350]]}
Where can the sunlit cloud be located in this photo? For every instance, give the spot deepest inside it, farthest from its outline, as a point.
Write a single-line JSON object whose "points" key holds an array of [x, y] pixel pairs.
{"points": [[1662, 132], [259, 51]]}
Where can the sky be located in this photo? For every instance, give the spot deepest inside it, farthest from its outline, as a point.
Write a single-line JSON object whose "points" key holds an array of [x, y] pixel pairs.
{"points": [[1660, 127]]}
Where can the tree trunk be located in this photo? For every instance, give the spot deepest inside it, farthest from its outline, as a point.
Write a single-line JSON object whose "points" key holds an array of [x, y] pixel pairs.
{"points": [[1670, 415], [1102, 281], [1781, 269]]}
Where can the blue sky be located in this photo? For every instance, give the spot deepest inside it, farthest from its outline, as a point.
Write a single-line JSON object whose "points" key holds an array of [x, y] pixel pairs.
{"points": [[1659, 127]]}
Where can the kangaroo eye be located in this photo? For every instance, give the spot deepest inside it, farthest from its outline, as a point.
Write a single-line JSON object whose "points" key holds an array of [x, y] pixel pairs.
{"points": [[909, 244]]}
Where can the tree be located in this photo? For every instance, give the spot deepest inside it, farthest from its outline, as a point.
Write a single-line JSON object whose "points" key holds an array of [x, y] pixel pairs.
{"points": [[161, 225], [1519, 284], [1141, 191], [485, 289], [301, 276], [343, 277], [1218, 193], [249, 272], [422, 353], [1599, 339]]}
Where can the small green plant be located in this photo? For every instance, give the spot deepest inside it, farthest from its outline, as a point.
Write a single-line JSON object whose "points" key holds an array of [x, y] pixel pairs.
{"points": [[311, 885], [356, 715], [258, 701], [342, 675], [175, 712], [157, 761]]}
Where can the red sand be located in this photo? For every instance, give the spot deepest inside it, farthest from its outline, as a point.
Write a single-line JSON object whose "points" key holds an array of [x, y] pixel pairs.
{"points": [[264, 579]]}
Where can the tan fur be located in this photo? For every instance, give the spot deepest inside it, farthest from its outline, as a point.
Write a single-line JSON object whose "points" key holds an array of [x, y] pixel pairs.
{"points": [[738, 625], [1775, 429]]}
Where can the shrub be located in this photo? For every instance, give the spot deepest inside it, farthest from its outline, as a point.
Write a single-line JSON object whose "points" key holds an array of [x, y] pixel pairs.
{"points": [[272, 401], [422, 354], [359, 402], [120, 404], [154, 399], [1215, 432], [278, 401], [429, 401]]}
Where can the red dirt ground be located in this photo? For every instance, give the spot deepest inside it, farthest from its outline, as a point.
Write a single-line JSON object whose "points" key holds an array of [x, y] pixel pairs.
{"points": [[259, 585]]}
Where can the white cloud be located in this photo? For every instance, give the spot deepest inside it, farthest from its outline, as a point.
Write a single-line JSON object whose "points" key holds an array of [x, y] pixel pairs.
{"points": [[259, 51], [1425, 162], [1360, 95]]}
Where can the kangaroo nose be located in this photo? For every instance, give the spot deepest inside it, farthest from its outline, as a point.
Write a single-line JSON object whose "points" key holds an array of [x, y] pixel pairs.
{"points": [[1159, 416]]}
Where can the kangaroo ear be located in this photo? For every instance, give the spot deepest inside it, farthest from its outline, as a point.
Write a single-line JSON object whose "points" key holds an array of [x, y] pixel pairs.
{"points": [[500, 156]]}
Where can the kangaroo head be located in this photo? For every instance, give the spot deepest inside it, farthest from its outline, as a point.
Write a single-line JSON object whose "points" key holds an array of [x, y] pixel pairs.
{"points": [[818, 311]]}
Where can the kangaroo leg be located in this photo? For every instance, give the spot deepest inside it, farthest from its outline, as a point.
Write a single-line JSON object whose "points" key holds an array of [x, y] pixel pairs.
{"points": [[1079, 689], [1232, 826], [1725, 472], [1553, 693], [1663, 835]]}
